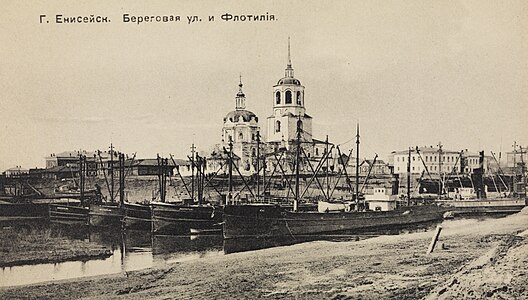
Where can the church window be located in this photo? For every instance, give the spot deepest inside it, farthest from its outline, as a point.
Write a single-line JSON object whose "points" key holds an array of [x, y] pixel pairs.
{"points": [[240, 137], [253, 152], [277, 126], [316, 151], [288, 97], [300, 125], [252, 136], [299, 98], [277, 97]]}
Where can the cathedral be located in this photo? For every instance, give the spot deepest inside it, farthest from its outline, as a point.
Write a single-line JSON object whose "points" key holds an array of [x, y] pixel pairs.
{"points": [[241, 128]]}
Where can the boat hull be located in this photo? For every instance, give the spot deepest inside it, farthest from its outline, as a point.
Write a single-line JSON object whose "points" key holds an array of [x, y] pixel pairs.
{"points": [[250, 221], [137, 216], [105, 216], [176, 219], [486, 206], [65, 214]]}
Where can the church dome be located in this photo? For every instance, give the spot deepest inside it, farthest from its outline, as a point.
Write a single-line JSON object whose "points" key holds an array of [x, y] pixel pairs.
{"points": [[246, 115], [289, 80]]}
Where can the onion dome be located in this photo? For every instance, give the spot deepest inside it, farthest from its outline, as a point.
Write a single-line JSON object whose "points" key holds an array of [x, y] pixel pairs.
{"points": [[246, 115]]}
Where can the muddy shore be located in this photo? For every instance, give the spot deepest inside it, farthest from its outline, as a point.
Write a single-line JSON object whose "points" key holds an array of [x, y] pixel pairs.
{"points": [[473, 259], [35, 246]]}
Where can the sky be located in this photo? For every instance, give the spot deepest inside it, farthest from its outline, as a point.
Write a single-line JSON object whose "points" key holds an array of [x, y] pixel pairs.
{"points": [[412, 73]]}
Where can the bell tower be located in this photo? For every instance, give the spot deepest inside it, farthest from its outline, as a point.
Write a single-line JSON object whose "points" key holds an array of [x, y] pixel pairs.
{"points": [[288, 108]]}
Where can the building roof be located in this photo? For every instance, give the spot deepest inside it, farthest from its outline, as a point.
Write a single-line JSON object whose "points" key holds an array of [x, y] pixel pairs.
{"points": [[19, 169], [61, 169], [246, 115], [425, 149], [153, 162], [371, 161], [289, 80]]}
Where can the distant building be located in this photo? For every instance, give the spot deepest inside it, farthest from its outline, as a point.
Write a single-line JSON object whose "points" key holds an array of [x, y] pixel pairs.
{"points": [[16, 171], [471, 161], [61, 172], [71, 159], [241, 128], [435, 160]]}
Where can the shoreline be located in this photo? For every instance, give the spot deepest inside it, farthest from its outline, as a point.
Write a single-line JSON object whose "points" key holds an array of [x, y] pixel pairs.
{"points": [[43, 246], [383, 267]]}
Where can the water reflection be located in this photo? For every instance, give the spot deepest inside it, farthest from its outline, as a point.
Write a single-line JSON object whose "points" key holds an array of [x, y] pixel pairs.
{"points": [[131, 251], [135, 250], [250, 244]]}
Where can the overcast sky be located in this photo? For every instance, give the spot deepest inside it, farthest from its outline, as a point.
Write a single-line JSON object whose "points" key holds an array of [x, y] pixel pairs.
{"points": [[412, 73]]}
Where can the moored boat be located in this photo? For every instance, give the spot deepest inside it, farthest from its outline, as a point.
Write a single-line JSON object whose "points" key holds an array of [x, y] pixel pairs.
{"points": [[245, 221], [179, 219], [105, 215], [137, 216], [486, 206], [68, 214]]}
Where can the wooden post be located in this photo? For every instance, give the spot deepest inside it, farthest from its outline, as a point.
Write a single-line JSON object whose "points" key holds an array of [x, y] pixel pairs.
{"points": [[435, 239]]}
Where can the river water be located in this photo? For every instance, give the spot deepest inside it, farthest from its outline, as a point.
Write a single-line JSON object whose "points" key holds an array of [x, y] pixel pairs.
{"points": [[136, 250]]}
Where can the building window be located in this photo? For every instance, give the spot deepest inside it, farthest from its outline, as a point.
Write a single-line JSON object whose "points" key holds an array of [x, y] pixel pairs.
{"points": [[277, 97], [240, 137], [277, 126], [253, 152], [288, 97], [316, 151], [397, 159], [299, 102]]}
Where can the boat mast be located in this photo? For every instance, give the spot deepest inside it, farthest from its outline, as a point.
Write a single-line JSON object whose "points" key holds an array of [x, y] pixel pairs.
{"points": [[409, 178], [327, 166], [440, 184], [112, 172], [192, 172], [230, 170], [296, 199], [357, 165], [523, 175], [258, 165], [121, 178], [81, 177]]}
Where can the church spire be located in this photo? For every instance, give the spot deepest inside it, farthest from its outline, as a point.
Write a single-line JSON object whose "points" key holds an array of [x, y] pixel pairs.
{"points": [[289, 70], [240, 97]]}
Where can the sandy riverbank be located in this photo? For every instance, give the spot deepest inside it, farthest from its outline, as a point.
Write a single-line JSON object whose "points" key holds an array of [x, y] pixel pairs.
{"points": [[473, 259]]}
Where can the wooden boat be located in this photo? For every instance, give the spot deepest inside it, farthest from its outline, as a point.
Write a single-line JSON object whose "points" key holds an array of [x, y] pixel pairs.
{"points": [[245, 221], [178, 219], [486, 206], [105, 215], [137, 216], [110, 214], [256, 221], [68, 214]]}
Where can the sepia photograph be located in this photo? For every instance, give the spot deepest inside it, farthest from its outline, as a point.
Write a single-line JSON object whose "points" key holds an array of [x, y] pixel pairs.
{"points": [[345, 149]]}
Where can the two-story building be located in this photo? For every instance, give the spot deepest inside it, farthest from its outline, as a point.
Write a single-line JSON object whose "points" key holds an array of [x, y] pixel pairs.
{"points": [[431, 159]]}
